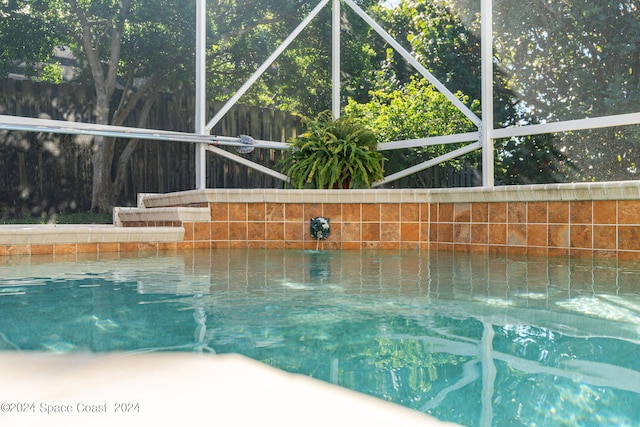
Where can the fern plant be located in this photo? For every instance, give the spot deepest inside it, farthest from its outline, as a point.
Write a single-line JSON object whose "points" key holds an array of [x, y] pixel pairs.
{"points": [[332, 153]]}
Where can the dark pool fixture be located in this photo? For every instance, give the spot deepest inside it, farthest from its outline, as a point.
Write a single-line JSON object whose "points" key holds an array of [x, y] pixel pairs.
{"points": [[320, 228]]}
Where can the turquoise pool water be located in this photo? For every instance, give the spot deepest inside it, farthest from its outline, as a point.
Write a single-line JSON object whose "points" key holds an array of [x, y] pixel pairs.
{"points": [[481, 340]]}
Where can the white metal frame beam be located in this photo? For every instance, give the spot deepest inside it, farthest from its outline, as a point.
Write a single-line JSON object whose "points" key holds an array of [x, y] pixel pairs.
{"points": [[29, 124], [429, 163], [433, 140], [569, 125], [335, 58], [201, 92], [486, 127], [246, 162]]}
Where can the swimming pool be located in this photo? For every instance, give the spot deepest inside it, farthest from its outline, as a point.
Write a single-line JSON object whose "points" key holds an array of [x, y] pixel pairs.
{"points": [[476, 339]]}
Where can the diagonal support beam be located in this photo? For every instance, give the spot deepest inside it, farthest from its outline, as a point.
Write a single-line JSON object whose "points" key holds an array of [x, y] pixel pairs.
{"points": [[429, 163], [248, 163], [433, 140]]}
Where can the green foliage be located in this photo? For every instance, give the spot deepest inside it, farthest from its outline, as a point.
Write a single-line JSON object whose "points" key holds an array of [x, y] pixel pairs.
{"points": [[157, 37], [27, 34], [532, 160], [416, 110], [444, 36], [245, 33], [569, 60], [332, 153], [404, 106], [51, 73], [572, 60], [160, 44], [438, 38]]}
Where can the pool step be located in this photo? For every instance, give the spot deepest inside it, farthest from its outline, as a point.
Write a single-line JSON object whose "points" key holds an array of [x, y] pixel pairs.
{"points": [[171, 216]]}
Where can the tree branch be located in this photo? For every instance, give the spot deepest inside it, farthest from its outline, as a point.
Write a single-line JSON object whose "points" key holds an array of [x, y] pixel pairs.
{"points": [[116, 37], [128, 151], [89, 49], [125, 92], [149, 89]]}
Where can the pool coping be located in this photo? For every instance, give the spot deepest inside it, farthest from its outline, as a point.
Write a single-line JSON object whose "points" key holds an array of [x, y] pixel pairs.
{"points": [[616, 190], [43, 234], [180, 388]]}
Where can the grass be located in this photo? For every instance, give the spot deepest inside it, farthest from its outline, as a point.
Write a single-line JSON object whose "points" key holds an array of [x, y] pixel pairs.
{"points": [[62, 218]]}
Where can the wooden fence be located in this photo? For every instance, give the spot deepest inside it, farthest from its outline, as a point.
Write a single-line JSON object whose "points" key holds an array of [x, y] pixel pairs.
{"points": [[46, 173]]}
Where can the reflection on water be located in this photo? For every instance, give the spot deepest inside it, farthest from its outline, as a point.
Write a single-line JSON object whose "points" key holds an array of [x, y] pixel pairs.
{"points": [[476, 339]]}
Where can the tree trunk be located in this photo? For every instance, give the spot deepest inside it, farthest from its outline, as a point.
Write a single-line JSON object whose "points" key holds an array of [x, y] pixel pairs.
{"points": [[102, 198], [103, 194], [102, 159], [107, 183]]}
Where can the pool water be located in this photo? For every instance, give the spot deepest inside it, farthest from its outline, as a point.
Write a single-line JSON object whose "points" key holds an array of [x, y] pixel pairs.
{"points": [[478, 339]]}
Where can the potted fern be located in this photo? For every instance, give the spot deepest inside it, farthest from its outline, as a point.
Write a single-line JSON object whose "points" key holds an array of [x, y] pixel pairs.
{"points": [[332, 153]]}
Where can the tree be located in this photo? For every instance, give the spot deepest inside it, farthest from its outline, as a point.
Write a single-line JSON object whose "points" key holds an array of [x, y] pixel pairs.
{"points": [[19, 27], [444, 36], [300, 79], [568, 60], [126, 43], [416, 110], [129, 50], [128, 40]]}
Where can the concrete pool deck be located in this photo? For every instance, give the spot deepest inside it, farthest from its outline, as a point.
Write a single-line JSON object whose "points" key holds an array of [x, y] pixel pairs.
{"points": [[173, 389]]}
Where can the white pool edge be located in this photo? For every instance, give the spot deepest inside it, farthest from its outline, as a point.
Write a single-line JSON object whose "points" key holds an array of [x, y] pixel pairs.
{"points": [[172, 389]]}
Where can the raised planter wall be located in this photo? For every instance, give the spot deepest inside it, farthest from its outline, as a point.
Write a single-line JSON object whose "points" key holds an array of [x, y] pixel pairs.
{"points": [[584, 220], [600, 220]]}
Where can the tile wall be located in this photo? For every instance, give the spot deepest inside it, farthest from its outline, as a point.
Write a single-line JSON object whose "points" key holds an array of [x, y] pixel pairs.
{"points": [[600, 220], [593, 228]]}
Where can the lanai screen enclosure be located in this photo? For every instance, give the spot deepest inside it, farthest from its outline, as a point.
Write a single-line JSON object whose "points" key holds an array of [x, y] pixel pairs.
{"points": [[482, 139]]}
